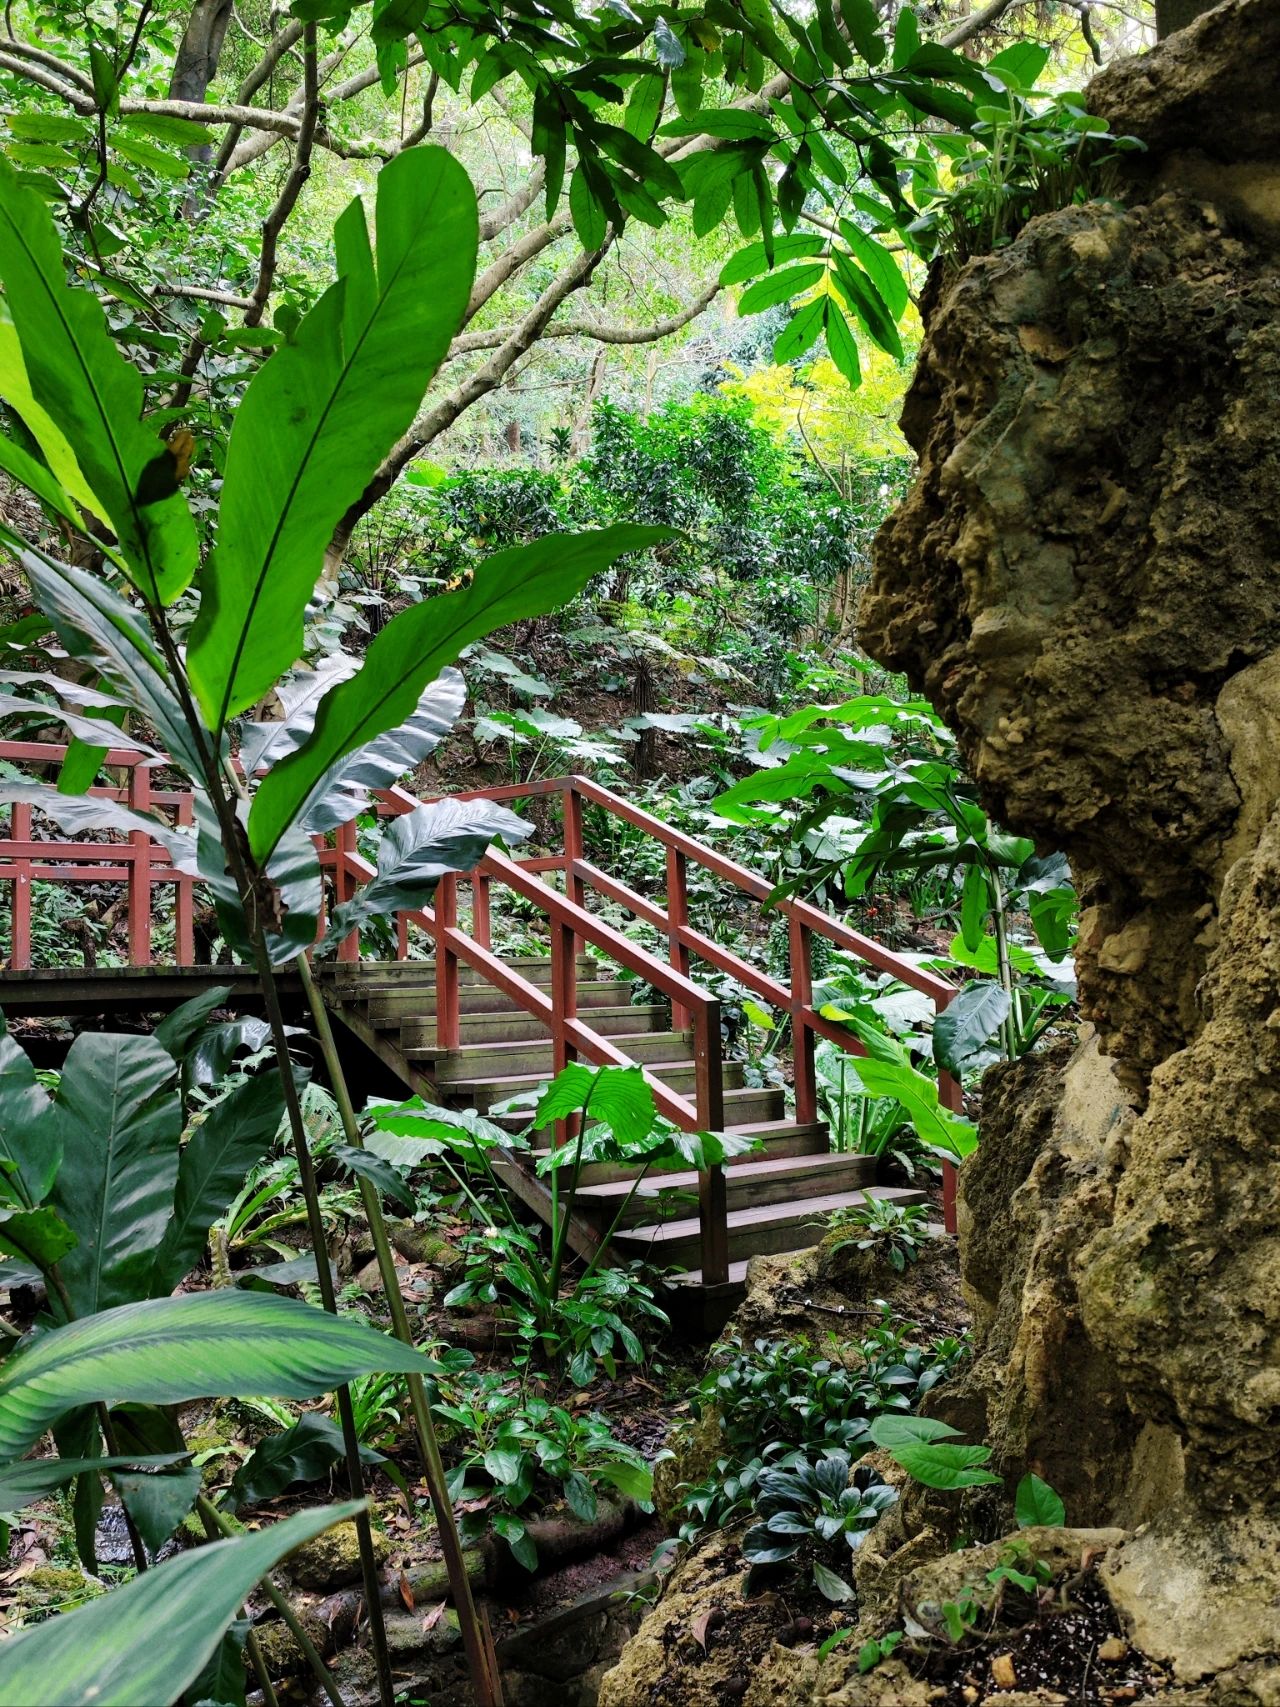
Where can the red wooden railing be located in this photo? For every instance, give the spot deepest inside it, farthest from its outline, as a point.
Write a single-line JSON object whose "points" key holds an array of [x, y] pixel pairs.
{"points": [[143, 865]]}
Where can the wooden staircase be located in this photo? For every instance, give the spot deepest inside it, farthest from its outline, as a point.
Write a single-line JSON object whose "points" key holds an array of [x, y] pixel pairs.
{"points": [[777, 1199]]}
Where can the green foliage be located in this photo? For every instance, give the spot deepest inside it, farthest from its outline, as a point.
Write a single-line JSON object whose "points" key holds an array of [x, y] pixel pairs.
{"points": [[896, 1231], [1035, 1503], [928, 1451], [153, 1637], [812, 1506]]}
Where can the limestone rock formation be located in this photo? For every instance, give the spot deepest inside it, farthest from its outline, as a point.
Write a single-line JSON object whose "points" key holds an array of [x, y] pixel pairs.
{"points": [[1085, 579]]}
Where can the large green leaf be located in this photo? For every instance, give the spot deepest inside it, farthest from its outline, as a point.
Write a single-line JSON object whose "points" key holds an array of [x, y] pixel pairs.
{"points": [[120, 1119], [616, 1097], [36, 1478], [301, 1453], [15, 388], [418, 848], [320, 416], [966, 1023], [345, 788], [30, 1148], [415, 646], [143, 1644], [94, 394], [166, 1351], [1036, 1503], [233, 1135]]}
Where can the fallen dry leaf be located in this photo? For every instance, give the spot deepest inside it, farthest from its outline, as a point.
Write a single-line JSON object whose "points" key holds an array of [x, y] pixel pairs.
{"points": [[406, 1593], [705, 1623], [433, 1617]]}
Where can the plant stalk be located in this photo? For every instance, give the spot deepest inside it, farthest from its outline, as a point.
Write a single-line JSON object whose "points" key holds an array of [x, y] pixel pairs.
{"points": [[998, 899], [481, 1659], [214, 1520]]}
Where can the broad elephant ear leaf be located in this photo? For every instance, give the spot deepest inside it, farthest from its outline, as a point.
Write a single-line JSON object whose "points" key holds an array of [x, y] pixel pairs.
{"points": [[416, 852], [419, 643], [150, 1639], [82, 381], [30, 1147], [167, 1351], [320, 416]]}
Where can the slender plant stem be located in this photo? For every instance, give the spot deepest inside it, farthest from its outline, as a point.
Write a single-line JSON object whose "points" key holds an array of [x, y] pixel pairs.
{"points": [[998, 900], [481, 1659], [249, 883], [253, 1647], [217, 1522], [113, 1447]]}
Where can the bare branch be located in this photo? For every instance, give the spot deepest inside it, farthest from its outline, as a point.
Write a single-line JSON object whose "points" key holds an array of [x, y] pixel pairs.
{"points": [[511, 260], [205, 293], [466, 342], [494, 224], [275, 51], [976, 22], [297, 176], [50, 61]]}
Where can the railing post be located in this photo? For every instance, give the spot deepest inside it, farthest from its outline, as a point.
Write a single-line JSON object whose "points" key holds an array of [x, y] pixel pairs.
{"points": [[139, 882], [481, 925], [713, 1203], [575, 889], [678, 917], [20, 924], [446, 917], [803, 1042], [344, 884]]}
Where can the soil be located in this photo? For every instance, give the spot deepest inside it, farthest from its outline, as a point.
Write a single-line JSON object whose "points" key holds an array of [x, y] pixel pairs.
{"points": [[1079, 1653]]}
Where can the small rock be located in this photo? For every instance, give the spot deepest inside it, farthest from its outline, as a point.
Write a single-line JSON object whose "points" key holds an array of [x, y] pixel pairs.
{"points": [[332, 1560], [1003, 1673], [1114, 1649]]}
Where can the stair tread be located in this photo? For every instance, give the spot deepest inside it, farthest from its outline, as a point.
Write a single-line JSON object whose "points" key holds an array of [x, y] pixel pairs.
{"points": [[793, 1209], [693, 1276], [515, 1045], [519, 1081], [770, 1167]]}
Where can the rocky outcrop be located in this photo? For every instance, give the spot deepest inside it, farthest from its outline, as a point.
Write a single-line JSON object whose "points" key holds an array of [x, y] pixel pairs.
{"points": [[1085, 580]]}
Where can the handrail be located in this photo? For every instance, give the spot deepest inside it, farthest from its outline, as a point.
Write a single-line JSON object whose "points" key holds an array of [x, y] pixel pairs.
{"points": [[571, 1036], [684, 941]]}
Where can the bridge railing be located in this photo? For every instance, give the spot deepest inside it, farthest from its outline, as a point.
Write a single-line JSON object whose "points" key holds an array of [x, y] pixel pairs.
{"points": [[144, 867]]}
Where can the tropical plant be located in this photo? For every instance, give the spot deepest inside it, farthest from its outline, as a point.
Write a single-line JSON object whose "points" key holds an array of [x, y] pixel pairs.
{"points": [[309, 434], [517, 1441], [617, 1123], [811, 1507], [896, 1231]]}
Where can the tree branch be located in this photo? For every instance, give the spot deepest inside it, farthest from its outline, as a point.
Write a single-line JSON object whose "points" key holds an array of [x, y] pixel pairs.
{"points": [[274, 52], [298, 174], [466, 342]]}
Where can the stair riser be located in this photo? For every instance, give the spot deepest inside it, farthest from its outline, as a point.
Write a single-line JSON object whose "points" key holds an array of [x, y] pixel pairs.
{"points": [[518, 1028], [538, 1058], [681, 1079], [413, 973], [483, 999], [765, 1240], [741, 1192]]}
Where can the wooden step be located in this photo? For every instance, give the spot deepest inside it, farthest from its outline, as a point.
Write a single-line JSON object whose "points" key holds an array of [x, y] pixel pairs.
{"points": [[744, 1109], [522, 1027], [482, 1060], [781, 1140], [748, 1183], [679, 1076], [382, 977], [394, 1006], [691, 1278], [792, 1225]]}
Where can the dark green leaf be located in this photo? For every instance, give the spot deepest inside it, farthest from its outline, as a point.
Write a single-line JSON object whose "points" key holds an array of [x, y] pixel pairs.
{"points": [[30, 1145], [801, 332], [120, 1118], [880, 266], [177, 1031], [232, 1137], [748, 262], [34, 1479], [36, 1236], [302, 1453], [966, 1023], [157, 1502], [975, 906], [167, 1351], [865, 301], [842, 344], [381, 1175], [780, 286]]}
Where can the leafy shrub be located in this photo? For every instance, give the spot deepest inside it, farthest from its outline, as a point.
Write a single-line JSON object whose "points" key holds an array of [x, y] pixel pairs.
{"points": [[897, 1231], [811, 1507]]}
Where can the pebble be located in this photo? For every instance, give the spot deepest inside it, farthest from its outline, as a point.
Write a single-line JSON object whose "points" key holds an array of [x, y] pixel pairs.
{"points": [[1114, 1649], [1003, 1672]]}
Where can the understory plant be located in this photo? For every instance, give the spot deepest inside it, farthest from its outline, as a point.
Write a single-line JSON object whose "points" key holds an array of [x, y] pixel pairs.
{"points": [[896, 1231], [812, 1509], [175, 644], [570, 1319]]}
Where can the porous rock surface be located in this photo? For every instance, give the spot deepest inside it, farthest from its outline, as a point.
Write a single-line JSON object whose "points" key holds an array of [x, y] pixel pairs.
{"points": [[1085, 579]]}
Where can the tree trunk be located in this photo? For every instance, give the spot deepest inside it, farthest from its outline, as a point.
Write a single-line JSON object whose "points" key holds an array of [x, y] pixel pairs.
{"points": [[196, 64]]}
